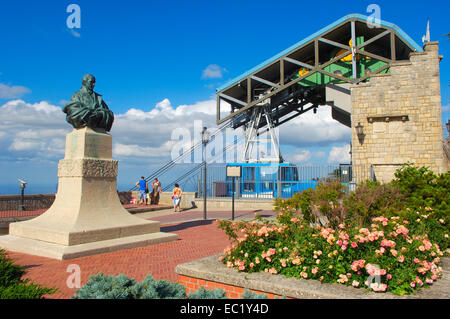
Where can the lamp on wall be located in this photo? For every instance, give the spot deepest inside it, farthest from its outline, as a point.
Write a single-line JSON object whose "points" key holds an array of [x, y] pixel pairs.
{"points": [[448, 126], [360, 132]]}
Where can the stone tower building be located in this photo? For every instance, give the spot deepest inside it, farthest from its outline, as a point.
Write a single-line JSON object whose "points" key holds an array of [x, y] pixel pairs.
{"points": [[400, 117]]}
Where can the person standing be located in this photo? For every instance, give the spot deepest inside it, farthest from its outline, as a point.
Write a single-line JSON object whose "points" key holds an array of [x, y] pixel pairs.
{"points": [[176, 196], [156, 186], [143, 185]]}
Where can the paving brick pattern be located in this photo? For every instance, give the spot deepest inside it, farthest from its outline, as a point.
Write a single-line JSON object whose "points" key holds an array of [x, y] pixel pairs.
{"points": [[198, 215], [197, 239], [29, 213], [17, 213]]}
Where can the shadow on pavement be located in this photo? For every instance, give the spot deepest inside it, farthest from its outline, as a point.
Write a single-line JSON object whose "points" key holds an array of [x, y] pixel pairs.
{"points": [[185, 225]]}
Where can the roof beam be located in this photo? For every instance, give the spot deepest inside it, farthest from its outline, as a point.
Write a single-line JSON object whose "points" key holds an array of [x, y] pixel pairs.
{"points": [[281, 88], [375, 56], [336, 44], [375, 38], [305, 65], [227, 97], [265, 81]]}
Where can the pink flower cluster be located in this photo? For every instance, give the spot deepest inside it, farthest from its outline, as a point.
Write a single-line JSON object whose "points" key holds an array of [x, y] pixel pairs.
{"points": [[342, 279], [387, 243], [389, 238], [267, 255], [381, 219], [374, 270], [357, 264], [378, 287]]}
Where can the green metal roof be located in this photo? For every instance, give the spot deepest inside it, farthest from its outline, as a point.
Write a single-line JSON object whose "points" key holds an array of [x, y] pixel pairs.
{"points": [[407, 39]]}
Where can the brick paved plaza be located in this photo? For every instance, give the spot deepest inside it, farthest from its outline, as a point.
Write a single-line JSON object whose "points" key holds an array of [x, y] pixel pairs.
{"points": [[197, 239]]}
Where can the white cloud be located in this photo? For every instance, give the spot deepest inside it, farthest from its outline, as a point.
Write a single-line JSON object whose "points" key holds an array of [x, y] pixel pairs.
{"points": [[339, 154], [29, 131], [302, 156], [213, 71], [134, 150], [311, 129], [26, 145], [12, 92], [35, 130], [319, 154]]}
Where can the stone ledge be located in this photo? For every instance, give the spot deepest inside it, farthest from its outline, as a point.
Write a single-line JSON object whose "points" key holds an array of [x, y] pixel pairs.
{"points": [[212, 270]]}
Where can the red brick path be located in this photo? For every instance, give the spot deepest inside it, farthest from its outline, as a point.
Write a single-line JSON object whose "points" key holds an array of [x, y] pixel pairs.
{"points": [[197, 239], [195, 215], [27, 213], [24, 213]]}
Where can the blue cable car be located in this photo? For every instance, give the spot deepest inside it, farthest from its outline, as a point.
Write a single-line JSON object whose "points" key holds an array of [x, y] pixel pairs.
{"points": [[264, 180]]}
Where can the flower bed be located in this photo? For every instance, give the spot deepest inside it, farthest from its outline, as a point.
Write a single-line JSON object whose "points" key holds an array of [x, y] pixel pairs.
{"points": [[394, 253]]}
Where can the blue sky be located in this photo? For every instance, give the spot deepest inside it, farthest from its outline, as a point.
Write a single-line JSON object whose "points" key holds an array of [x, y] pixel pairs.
{"points": [[148, 55]]}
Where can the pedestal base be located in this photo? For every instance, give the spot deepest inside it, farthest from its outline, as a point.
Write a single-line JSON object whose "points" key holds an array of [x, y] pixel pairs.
{"points": [[61, 252], [87, 216]]}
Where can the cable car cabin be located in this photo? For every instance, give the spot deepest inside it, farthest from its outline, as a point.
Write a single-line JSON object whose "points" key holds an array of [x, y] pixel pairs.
{"points": [[264, 180]]}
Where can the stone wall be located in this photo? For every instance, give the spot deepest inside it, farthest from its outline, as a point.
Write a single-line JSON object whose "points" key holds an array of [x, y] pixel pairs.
{"points": [[401, 117]]}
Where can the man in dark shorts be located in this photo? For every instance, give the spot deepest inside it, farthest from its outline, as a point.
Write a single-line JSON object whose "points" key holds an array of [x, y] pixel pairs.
{"points": [[156, 185]]}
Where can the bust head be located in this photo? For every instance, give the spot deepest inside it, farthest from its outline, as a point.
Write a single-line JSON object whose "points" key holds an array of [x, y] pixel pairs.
{"points": [[89, 82]]}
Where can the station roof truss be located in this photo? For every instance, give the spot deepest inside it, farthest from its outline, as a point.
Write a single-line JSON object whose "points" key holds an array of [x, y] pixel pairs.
{"points": [[350, 50]]}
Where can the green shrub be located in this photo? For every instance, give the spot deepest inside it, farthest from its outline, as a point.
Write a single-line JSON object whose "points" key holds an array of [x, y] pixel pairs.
{"points": [[400, 226], [158, 289], [372, 199], [13, 287], [247, 294], [298, 206], [25, 290], [203, 293], [106, 287], [414, 191], [345, 255], [313, 204], [121, 287], [10, 273], [326, 201], [427, 197]]}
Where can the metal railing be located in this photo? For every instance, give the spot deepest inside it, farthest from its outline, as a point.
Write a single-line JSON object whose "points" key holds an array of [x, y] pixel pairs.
{"points": [[308, 177], [36, 204]]}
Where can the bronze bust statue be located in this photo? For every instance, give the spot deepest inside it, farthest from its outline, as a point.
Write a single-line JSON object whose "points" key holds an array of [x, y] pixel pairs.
{"points": [[87, 108]]}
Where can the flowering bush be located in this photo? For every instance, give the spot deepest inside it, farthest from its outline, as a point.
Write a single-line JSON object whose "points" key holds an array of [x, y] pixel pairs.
{"points": [[383, 237], [427, 197], [413, 192], [383, 257]]}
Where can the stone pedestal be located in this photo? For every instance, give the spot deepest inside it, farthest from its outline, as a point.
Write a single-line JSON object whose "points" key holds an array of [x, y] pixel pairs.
{"points": [[87, 216]]}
